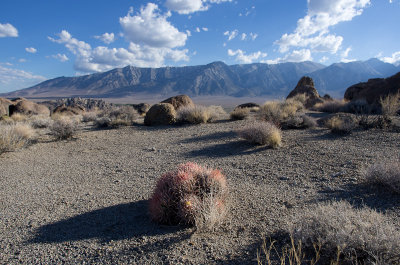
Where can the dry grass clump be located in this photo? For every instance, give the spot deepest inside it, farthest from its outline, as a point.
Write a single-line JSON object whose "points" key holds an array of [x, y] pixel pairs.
{"points": [[15, 136], [261, 133], [331, 106], [239, 113], [116, 117], [19, 117], [190, 195], [40, 121], [390, 105], [385, 173], [89, 116], [199, 114], [299, 121], [362, 234], [63, 128], [281, 112], [341, 124]]}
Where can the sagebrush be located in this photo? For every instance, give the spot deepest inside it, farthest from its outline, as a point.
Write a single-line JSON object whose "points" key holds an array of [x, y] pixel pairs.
{"points": [[261, 133]]}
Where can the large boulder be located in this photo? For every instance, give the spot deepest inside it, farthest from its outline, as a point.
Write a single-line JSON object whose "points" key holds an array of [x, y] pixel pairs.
{"points": [[306, 86], [28, 107], [179, 101], [374, 89], [160, 114], [69, 110], [4, 106]]}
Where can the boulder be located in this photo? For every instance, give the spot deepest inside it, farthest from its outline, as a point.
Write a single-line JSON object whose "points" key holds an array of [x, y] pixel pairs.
{"points": [[160, 114], [28, 107], [141, 108], [4, 106], [179, 101], [247, 106], [306, 86], [374, 89], [69, 110]]}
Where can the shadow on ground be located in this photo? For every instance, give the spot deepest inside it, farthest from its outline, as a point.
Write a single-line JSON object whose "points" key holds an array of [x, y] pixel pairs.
{"points": [[210, 137], [117, 222]]}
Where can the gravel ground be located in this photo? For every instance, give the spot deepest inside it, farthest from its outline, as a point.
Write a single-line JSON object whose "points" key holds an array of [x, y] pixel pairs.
{"points": [[84, 201]]}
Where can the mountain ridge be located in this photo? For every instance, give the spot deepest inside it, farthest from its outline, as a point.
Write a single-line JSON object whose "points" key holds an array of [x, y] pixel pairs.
{"points": [[216, 78]]}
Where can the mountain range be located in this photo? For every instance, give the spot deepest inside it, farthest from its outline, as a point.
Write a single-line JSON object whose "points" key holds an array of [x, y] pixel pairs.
{"points": [[217, 78]]}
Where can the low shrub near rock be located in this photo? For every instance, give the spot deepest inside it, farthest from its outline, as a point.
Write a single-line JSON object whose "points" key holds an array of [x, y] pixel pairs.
{"points": [[15, 136], [385, 173], [63, 128], [199, 114], [40, 121], [261, 133], [331, 106], [89, 116], [190, 195], [239, 113], [341, 124], [117, 116], [362, 235]]}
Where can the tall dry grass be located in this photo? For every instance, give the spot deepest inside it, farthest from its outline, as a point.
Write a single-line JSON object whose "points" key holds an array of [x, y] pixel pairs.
{"points": [[198, 114], [261, 133], [15, 136]]}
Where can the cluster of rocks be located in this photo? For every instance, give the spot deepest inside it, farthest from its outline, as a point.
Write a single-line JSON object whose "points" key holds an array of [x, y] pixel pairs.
{"points": [[23, 106], [87, 104]]}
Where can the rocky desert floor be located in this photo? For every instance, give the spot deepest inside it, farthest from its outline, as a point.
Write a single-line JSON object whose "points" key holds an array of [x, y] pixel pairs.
{"points": [[84, 201]]}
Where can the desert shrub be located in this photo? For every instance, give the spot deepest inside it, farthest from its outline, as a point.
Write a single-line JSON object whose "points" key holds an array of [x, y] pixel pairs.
{"points": [[239, 114], [190, 195], [278, 112], [299, 121], [15, 136], [19, 117], [199, 114], [385, 173], [117, 116], [331, 106], [40, 121], [359, 233], [261, 133], [341, 124], [63, 128], [359, 106], [89, 116], [390, 105], [299, 100]]}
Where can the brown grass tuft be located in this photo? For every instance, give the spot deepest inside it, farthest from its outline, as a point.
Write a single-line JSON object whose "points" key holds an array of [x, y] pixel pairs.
{"points": [[199, 114], [15, 136], [390, 105], [239, 114], [341, 124], [262, 133]]}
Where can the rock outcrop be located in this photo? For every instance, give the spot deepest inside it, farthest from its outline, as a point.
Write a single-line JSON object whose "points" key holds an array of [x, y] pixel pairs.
{"points": [[160, 114], [4, 106], [28, 107], [374, 89], [179, 101], [306, 86], [69, 110], [247, 106], [88, 104]]}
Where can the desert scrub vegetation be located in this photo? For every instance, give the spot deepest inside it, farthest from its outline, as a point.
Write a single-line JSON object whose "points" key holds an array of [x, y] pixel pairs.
{"points": [[15, 136], [341, 124], [116, 117], [40, 121], [89, 116], [190, 195], [239, 113], [63, 128], [361, 235], [197, 114], [261, 133], [384, 173], [331, 106]]}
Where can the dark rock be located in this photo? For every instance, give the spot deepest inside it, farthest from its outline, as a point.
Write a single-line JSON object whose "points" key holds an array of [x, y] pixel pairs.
{"points": [[374, 89], [160, 114], [247, 105], [179, 101], [306, 86], [327, 97], [28, 107]]}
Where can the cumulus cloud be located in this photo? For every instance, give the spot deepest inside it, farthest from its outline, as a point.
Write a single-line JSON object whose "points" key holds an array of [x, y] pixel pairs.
{"points": [[243, 58], [107, 38], [312, 31], [61, 57], [31, 50], [190, 6], [394, 59], [152, 40], [150, 27], [231, 34], [244, 36], [8, 30], [294, 56], [12, 79]]}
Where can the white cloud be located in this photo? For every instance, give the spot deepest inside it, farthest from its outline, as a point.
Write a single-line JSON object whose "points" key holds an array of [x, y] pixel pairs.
{"points": [[31, 50], [107, 38], [253, 36], [323, 59], [150, 27], [190, 6], [8, 30], [60, 57], [198, 29], [294, 56], [244, 36], [204, 29], [231, 34], [313, 30], [243, 58], [188, 33], [22, 60], [394, 59], [12, 79]]}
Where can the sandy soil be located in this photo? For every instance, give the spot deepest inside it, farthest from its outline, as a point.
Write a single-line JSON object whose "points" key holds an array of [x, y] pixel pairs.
{"points": [[84, 201]]}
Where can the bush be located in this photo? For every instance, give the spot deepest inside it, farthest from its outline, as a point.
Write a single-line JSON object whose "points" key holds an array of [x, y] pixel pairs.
{"points": [[390, 105], [116, 117], [279, 112], [190, 195], [385, 173], [199, 114], [341, 124], [299, 121], [89, 116], [331, 106], [40, 121], [239, 114], [63, 128], [19, 117], [15, 136], [262, 133], [359, 233]]}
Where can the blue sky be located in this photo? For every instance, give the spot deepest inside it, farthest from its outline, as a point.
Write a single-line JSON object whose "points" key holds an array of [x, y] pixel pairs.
{"points": [[45, 39]]}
